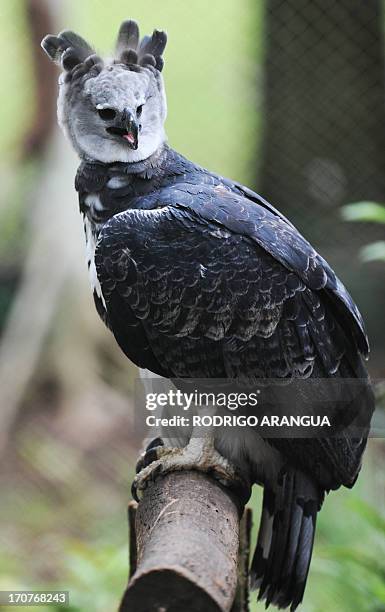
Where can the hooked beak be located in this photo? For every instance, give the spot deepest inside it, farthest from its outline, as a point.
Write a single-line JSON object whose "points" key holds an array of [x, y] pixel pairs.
{"points": [[127, 128]]}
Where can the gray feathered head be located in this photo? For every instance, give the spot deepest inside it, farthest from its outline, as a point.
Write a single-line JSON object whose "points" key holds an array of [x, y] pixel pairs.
{"points": [[112, 110]]}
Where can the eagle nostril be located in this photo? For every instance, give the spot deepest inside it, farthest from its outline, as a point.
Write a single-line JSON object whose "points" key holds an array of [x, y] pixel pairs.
{"points": [[107, 114]]}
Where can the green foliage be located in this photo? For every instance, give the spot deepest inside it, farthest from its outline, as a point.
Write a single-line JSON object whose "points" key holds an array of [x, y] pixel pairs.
{"points": [[364, 211], [355, 574], [94, 574], [367, 212], [371, 516], [97, 575], [374, 251]]}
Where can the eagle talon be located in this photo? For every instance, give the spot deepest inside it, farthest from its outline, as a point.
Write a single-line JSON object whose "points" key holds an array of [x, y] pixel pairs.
{"points": [[134, 492], [199, 455], [154, 444], [150, 454]]}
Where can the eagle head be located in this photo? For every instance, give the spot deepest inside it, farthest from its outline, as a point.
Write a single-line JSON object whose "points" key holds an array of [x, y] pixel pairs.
{"points": [[111, 110]]}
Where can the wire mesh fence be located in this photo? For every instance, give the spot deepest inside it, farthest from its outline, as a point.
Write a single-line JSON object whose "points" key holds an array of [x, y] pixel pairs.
{"points": [[324, 113], [323, 142]]}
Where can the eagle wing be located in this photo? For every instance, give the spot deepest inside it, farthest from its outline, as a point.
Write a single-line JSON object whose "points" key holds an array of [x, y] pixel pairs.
{"points": [[205, 283]]}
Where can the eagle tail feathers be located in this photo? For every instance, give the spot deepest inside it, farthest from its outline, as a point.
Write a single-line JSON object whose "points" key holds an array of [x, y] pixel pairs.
{"points": [[284, 548]]}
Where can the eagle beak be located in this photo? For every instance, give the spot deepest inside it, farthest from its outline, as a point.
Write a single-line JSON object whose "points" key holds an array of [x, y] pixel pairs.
{"points": [[126, 128], [132, 128]]}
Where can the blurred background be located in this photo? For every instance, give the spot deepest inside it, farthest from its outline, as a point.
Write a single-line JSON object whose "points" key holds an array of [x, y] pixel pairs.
{"points": [[286, 96]]}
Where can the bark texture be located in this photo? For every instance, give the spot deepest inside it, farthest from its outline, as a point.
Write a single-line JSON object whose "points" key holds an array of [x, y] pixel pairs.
{"points": [[187, 534]]}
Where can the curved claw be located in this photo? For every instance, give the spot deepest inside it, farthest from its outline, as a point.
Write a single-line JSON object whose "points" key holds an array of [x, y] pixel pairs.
{"points": [[134, 490], [138, 486], [150, 454]]}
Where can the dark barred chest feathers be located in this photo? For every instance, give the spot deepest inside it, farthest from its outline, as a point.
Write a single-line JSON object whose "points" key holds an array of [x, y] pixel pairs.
{"points": [[106, 190], [103, 195]]}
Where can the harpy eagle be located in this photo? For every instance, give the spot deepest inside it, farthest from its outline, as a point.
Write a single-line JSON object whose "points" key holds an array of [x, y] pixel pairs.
{"points": [[198, 277]]}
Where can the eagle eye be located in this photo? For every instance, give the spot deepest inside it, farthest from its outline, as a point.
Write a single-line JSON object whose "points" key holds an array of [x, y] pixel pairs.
{"points": [[107, 114]]}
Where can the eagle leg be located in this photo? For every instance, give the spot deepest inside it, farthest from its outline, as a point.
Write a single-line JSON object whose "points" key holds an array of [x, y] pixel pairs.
{"points": [[199, 454]]}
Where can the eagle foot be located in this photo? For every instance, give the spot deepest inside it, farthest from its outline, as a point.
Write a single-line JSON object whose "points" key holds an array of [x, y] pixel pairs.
{"points": [[199, 454]]}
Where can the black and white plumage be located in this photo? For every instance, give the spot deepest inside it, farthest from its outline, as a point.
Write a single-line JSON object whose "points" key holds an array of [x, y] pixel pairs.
{"points": [[199, 277]]}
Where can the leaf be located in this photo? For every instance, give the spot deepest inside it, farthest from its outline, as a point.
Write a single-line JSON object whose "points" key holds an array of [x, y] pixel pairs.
{"points": [[373, 252], [364, 211]]}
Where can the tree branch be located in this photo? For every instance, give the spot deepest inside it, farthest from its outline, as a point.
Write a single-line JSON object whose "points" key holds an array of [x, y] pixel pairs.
{"points": [[187, 539]]}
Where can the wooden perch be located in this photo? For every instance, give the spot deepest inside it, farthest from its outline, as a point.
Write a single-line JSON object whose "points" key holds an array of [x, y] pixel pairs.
{"points": [[185, 558]]}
